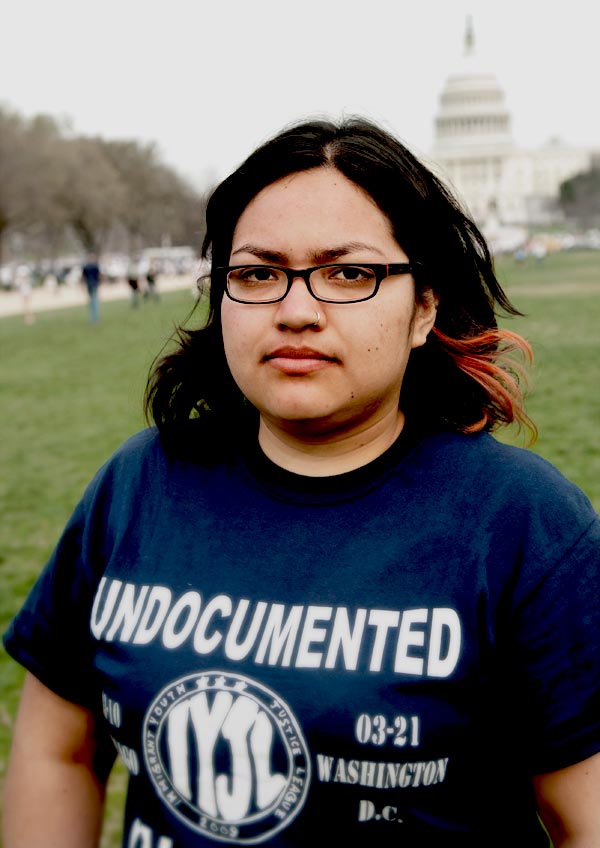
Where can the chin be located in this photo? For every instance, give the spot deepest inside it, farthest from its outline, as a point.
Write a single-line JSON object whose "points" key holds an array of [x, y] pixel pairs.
{"points": [[306, 418], [308, 422], [297, 407]]}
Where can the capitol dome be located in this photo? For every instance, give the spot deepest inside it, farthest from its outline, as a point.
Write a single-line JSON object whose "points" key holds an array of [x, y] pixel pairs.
{"points": [[473, 152], [472, 112]]}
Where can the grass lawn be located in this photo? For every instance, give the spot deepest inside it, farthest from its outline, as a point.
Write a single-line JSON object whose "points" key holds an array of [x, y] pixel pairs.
{"points": [[72, 392], [560, 299]]}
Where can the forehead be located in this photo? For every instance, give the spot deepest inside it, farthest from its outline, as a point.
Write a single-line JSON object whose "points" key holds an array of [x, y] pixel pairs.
{"points": [[320, 206]]}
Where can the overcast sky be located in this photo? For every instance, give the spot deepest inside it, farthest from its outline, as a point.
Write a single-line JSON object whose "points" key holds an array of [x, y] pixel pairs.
{"points": [[207, 81]]}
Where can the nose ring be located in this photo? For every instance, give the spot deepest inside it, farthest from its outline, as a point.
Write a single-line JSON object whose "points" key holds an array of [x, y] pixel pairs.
{"points": [[318, 320]]}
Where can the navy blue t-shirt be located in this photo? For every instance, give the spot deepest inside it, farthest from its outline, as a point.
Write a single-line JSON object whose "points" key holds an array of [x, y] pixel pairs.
{"points": [[388, 654]]}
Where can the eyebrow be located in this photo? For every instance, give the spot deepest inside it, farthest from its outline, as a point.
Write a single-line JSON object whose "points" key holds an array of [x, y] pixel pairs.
{"points": [[318, 256], [261, 253]]}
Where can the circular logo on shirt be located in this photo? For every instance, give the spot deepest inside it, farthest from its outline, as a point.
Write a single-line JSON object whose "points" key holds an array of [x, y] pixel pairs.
{"points": [[227, 755]]}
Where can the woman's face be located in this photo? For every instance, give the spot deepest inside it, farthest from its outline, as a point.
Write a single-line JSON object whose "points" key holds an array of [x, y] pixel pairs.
{"points": [[344, 374]]}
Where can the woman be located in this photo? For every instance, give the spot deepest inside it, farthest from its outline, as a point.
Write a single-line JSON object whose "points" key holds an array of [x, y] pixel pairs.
{"points": [[340, 605]]}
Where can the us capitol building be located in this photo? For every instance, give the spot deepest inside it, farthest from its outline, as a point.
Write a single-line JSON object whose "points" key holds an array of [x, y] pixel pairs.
{"points": [[474, 152]]}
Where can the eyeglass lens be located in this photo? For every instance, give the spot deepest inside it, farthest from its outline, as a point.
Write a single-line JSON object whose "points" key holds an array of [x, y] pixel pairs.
{"points": [[336, 283]]}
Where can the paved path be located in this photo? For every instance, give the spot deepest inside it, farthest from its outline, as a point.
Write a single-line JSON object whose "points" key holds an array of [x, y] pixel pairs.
{"points": [[64, 296]]}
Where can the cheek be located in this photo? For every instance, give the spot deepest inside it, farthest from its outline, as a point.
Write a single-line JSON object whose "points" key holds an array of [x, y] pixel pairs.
{"points": [[243, 331], [233, 337], [386, 343]]}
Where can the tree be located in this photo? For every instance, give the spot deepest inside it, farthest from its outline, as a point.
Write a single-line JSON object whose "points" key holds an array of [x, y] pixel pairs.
{"points": [[30, 174], [580, 198], [55, 185], [93, 196], [159, 207]]}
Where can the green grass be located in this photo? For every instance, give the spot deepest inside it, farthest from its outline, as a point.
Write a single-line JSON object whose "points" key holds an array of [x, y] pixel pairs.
{"points": [[71, 393], [560, 299]]}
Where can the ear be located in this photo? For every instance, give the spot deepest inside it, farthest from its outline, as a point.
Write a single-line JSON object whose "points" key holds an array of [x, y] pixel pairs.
{"points": [[425, 315]]}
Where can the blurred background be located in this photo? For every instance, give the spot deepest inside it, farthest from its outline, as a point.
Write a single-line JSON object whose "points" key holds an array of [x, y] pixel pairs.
{"points": [[116, 118]]}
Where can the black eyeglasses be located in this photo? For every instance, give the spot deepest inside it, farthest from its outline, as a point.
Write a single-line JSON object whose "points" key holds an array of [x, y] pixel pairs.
{"points": [[327, 283]]}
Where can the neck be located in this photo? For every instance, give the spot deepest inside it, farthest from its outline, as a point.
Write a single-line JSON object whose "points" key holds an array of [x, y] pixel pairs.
{"points": [[324, 455]]}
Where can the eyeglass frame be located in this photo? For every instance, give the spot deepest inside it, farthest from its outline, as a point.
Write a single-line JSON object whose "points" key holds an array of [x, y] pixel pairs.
{"points": [[382, 271]]}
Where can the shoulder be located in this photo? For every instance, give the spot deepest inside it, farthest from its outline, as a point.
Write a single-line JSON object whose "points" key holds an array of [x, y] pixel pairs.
{"points": [[137, 464], [483, 457], [509, 491], [137, 449], [143, 467], [141, 444], [488, 476]]}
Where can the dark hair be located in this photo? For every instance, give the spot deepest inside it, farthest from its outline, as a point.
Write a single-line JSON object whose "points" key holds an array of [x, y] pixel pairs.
{"points": [[464, 378]]}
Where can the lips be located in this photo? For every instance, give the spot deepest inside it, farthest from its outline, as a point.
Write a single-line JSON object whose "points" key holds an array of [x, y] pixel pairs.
{"points": [[298, 353], [298, 360]]}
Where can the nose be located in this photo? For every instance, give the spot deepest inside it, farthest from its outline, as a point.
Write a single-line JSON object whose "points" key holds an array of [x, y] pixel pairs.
{"points": [[299, 309]]}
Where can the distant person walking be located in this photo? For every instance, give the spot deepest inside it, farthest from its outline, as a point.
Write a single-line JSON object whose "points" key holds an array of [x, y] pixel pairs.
{"points": [[150, 291], [133, 280], [24, 284], [91, 277]]}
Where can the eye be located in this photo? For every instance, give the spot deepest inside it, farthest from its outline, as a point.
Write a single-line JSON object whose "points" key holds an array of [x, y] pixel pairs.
{"points": [[350, 274], [255, 275]]}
